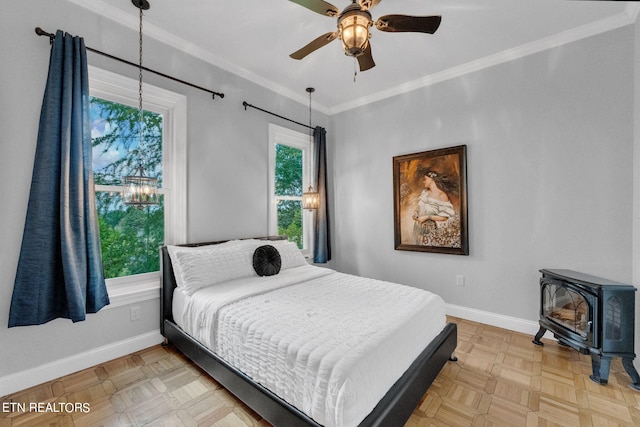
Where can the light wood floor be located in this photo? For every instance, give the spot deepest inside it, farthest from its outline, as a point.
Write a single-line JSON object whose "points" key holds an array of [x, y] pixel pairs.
{"points": [[500, 378]]}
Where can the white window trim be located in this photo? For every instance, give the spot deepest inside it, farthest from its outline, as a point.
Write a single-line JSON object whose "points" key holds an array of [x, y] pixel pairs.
{"points": [[173, 106], [285, 136]]}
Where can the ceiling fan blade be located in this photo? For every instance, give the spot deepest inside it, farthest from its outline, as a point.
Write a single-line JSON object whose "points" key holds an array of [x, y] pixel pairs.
{"points": [[405, 23], [368, 4], [366, 59], [319, 6], [314, 45]]}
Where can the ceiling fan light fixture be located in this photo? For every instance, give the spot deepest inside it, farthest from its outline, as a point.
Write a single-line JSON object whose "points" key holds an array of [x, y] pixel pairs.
{"points": [[353, 27]]}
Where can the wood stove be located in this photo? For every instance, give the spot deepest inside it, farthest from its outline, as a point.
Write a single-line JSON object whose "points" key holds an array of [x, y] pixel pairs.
{"points": [[591, 315]]}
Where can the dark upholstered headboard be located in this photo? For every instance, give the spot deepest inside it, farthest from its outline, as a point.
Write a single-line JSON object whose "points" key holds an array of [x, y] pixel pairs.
{"points": [[168, 280]]}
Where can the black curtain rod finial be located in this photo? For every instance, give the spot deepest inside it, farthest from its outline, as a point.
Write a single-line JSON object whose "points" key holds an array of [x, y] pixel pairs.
{"points": [[41, 32]]}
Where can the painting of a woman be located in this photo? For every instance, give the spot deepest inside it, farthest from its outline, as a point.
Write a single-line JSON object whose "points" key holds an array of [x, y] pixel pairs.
{"points": [[434, 209], [430, 201]]}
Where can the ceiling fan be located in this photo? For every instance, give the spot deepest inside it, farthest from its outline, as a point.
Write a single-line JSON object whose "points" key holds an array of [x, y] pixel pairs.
{"points": [[353, 28]]}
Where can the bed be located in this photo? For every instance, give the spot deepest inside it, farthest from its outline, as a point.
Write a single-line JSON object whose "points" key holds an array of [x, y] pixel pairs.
{"points": [[263, 357]]}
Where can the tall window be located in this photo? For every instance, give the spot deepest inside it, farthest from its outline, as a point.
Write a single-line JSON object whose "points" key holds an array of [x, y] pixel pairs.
{"points": [[130, 237], [290, 156]]}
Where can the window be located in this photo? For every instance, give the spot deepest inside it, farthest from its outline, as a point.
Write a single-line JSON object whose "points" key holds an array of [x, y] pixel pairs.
{"points": [[130, 237], [290, 160]]}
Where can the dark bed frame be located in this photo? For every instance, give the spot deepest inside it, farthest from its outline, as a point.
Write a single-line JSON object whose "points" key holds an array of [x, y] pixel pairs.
{"points": [[394, 409]]}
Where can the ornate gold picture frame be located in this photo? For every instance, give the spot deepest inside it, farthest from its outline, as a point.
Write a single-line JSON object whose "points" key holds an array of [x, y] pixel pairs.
{"points": [[430, 198]]}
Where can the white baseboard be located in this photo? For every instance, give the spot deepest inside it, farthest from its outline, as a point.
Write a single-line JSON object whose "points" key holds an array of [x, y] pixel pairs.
{"points": [[59, 368], [528, 327]]}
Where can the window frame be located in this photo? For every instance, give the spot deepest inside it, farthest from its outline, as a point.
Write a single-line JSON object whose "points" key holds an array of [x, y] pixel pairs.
{"points": [[279, 135], [173, 107]]}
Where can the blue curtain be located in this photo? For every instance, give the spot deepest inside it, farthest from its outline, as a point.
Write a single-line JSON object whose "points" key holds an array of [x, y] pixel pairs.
{"points": [[322, 240], [60, 270]]}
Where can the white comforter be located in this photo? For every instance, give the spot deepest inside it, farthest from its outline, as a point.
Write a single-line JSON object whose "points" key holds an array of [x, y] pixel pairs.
{"points": [[331, 344]]}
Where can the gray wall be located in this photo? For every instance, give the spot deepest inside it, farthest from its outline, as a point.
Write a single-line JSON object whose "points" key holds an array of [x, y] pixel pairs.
{"points": [[550, 174], [227, 160]]}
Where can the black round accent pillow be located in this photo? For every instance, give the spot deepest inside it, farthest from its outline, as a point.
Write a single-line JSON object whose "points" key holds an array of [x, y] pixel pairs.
{"points": [[266, 261]]}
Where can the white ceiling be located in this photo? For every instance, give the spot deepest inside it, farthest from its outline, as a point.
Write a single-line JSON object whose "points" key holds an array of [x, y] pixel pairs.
{"points": [[253, 38]]}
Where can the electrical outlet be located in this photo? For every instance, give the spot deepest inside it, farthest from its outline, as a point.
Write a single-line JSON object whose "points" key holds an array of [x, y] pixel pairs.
{"points": [[460, 280], [135, 313]]}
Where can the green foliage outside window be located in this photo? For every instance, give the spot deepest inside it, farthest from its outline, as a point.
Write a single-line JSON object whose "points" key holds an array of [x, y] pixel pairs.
{"points": [[288, 182], [129, 237], [290, 220], [115, 141]]}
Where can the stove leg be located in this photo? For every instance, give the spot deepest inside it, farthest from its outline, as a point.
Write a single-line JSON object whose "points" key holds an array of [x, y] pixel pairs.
{"points": [[600, 367], [539, 335], [627, 362]]}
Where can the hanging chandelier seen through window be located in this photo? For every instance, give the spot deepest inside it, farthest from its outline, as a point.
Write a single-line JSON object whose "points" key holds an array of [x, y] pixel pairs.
{"points": [[139, 189]]}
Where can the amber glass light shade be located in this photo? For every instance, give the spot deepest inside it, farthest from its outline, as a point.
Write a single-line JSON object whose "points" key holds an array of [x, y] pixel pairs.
{"points": [[354, 32]]}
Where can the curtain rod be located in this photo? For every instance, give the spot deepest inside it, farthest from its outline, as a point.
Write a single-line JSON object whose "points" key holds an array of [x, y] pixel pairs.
{"points": [[41, 32], [246, 104]]}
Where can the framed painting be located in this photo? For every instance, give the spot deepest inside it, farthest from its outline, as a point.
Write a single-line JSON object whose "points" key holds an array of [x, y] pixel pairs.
{"points": [[430, 198]]}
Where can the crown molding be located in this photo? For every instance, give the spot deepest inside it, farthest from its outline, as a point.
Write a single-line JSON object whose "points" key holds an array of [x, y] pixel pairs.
{"points": [[627, 17], [130, 21], [623, 19], [632, 10]]}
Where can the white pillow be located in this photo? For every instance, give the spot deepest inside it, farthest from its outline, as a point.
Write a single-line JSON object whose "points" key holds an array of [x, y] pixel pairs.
{"points": [[199, 267], [290, 255], [173, 255]]}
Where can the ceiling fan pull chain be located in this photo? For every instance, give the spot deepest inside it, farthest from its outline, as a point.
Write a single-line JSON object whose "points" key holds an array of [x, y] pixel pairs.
{"points": [[355, 69]]}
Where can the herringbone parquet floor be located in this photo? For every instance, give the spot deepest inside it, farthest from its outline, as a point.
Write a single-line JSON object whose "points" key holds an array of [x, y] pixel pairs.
{"points": [[501, 378]]}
